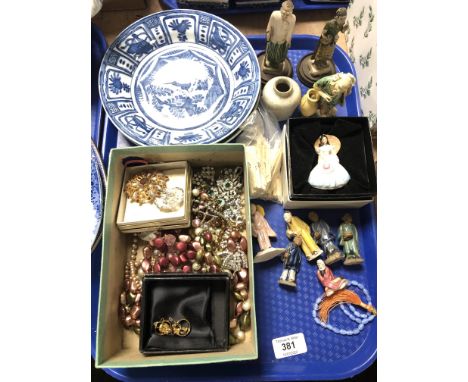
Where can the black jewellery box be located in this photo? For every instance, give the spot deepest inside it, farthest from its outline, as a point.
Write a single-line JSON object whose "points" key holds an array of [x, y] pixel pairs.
{"points": [[355, 155], [197, 301]]}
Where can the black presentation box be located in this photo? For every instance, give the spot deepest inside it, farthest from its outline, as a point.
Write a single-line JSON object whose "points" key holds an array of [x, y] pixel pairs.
{"points": [[202, 299], [355, 155]]}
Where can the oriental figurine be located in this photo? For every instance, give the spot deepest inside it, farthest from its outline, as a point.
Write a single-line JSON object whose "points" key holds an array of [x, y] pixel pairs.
{"points": [[348, 236], [333, 90], [325, 238], [328, 174], [262, 231], [291, 259], [274, 62], [336, 293], [297, 227], [330, 283], [320, 63]]}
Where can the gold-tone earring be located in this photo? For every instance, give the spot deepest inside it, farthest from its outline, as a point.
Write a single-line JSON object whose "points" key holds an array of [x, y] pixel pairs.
{"points": [[163, 327], [182, 328], [167, 327]]}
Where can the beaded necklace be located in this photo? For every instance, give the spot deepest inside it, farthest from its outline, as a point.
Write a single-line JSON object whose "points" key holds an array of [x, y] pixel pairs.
{"points": [[360, 318]]}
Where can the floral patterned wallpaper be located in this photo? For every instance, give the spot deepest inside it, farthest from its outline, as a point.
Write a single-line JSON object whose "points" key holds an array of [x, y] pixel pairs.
{"points": [[361, 38]]}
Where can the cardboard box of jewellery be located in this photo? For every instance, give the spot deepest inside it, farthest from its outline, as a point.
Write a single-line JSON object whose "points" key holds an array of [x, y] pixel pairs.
{"points": [[355, 156], [117, 347]]}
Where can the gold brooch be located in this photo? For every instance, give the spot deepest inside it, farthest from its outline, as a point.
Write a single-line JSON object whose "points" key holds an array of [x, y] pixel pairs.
{"points": [[145, 187], [170, 327]]}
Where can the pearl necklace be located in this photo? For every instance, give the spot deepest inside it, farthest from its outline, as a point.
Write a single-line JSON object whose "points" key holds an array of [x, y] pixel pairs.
{"points": [[129, 310]]}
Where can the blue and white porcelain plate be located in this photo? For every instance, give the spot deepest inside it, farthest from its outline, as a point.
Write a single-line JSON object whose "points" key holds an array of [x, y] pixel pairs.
{"points": [[97, 195], [179, 77]]}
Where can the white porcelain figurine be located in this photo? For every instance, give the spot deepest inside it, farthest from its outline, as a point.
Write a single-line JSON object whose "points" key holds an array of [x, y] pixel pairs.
{"points": [[328, 174]]}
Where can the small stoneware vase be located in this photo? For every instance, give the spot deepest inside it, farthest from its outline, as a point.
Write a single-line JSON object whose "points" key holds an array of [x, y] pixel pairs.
{"points": [[281, 95], [309, 103]]}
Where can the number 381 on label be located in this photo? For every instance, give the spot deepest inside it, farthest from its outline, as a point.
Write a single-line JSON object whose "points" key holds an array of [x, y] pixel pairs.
{"points": [[289, 346]]}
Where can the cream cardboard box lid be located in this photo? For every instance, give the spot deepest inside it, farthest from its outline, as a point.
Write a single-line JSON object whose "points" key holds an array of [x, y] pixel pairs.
{"points": [[133, 217], [117, 347]]}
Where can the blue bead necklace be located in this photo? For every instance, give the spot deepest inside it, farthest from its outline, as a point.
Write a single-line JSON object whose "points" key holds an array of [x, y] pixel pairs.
{"points": [[360, 318]]}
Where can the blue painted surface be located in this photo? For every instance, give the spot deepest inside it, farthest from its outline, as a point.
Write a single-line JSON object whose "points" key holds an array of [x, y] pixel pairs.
{"points": [[299, 5], [281, 311]]}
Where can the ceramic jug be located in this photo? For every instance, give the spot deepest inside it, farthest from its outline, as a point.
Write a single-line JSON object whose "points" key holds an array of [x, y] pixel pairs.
{"points": [[281, 95], [309, 103]]}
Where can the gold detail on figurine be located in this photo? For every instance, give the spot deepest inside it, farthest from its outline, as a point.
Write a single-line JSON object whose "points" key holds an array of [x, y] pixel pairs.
{"points": [[145, 187], [332, 141], [170, 327]]}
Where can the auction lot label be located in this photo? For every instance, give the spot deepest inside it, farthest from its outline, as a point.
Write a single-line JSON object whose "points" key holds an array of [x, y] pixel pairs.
{"points": [[289, 346]]}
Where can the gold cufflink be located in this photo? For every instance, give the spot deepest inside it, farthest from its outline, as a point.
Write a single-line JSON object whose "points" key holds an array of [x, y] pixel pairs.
{"points": [[168, 327]]}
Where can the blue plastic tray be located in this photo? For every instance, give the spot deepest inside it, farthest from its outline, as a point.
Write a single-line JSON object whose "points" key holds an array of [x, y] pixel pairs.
{"points": [[281, 312], [299, 5], [98, 48]]}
